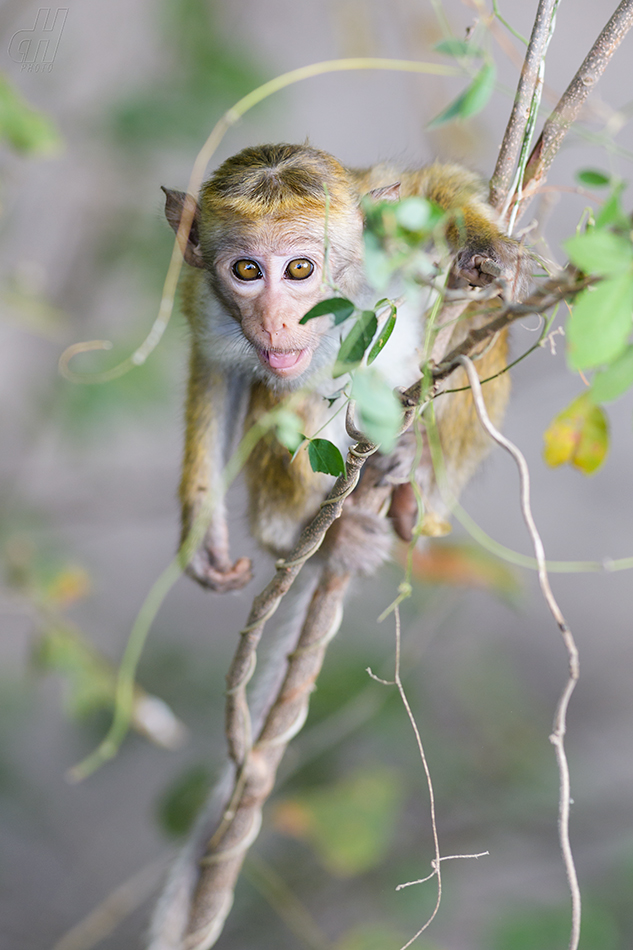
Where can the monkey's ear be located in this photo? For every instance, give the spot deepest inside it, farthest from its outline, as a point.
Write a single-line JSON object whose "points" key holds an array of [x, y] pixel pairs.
{"points": [[387, 193], [174, 205]]}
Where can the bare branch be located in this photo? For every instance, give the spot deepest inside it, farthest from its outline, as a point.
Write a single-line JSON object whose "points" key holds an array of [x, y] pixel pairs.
{"points": [[558, 735], [523, 103], [550, 293], [575, 95], [240, 826]]}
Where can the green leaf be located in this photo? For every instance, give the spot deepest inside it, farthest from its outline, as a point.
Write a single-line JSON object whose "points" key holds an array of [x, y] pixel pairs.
{"points": [[350, 824], [600, 324], [612, 382], [356, 342], [383, 336], [457, 48], [24, 128], [180, 804], [471, 101], [415, 214], [325, 457], [288, 427], [578, 435], [379, 410], [339, 307], [599, 252], [377, 264], [591, 176], [611, 213]]}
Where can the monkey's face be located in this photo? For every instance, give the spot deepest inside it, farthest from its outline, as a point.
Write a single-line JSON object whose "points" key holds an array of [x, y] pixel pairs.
{"points": [[271, 285]]}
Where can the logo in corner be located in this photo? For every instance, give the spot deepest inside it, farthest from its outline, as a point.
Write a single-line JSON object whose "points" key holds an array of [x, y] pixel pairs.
{"points": [[35, 49]]}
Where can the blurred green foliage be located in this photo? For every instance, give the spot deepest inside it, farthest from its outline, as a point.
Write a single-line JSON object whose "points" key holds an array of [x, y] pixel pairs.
{"points": [[181, 802], [23, 128], [547, 928], [206, 76]]}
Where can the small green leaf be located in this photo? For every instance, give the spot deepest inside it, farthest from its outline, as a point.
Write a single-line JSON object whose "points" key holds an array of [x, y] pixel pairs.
{"points": [[611, 213], [457, 48], [591, 176], [356, 342], [379, 410], [578, 435], [599, 252], [334, 397], [25, 129], [288, 427], [383, 336], [415, 214], [339, 307], [612, 382], [325, 457], [180, 804], [377, 264], [601, 322], [90, 679], [350, 825], [471, 101]]}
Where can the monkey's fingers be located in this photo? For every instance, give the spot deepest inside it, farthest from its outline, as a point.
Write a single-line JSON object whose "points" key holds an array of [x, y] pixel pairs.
{"points": [[475, 270], [219, 579]]}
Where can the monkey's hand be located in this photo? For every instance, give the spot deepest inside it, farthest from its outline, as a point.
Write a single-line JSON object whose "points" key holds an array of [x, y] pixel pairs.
{"points": [[479, 264], [217, 573]]}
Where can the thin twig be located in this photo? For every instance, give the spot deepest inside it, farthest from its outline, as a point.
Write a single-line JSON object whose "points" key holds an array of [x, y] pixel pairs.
{"points": [[561, 287], [558, 735], [436, 864]]}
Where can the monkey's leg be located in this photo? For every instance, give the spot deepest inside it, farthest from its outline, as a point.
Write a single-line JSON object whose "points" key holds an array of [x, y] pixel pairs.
{"points": [[213, 411]]}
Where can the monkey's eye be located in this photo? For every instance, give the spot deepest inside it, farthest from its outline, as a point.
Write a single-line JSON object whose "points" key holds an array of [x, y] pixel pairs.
{"points": [[299, 269], [247, 270]]}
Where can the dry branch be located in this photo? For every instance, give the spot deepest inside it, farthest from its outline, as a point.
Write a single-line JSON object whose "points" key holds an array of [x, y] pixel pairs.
{"points": [[515, 130], [572, 100]]}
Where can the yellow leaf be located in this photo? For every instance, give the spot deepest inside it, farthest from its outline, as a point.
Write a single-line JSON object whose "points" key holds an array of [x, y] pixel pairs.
{"points": [[578, 435]]}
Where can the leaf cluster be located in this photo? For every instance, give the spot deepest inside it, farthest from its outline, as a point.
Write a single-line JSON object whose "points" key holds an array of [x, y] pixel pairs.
{"points": [[598, 332]]}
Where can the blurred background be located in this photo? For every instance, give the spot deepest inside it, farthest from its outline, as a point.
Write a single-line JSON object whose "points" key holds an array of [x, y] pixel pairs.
{"points": [[89, 517]]}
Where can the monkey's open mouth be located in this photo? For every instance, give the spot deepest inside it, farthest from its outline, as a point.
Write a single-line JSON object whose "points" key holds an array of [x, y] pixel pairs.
{"points": [[289, 363]]}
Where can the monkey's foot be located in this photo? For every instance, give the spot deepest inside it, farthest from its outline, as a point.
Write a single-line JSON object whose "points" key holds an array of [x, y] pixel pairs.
{"points": [[220, 578]]}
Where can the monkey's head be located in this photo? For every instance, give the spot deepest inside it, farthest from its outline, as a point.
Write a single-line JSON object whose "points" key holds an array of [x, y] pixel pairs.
{"points": [[260, 232]]}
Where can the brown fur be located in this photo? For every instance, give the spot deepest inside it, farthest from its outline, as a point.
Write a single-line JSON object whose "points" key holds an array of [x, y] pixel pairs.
{"points": [[278, 196]]}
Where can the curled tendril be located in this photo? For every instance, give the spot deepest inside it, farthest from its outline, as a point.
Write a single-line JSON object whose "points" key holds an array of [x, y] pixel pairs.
{"points": [[86, 347]]}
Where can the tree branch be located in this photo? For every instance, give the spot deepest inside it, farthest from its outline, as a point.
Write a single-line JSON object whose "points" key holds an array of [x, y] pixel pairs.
{"points": [[570, 103], [513, 137]]}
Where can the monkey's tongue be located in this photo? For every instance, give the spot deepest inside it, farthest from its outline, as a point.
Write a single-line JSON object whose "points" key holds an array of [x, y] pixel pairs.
{"points": [[284, 360]]}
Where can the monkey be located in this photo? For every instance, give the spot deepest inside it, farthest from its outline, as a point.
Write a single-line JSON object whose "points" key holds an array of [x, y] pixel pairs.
{"points": [[257, 263]]}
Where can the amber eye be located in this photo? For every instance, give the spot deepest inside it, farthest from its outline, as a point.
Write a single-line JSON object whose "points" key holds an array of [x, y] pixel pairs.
{"points": [[299, 269], [247, 270]]}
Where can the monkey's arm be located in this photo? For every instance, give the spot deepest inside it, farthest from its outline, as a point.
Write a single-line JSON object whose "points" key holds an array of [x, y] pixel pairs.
{"points": [[213, 413], [474, 230]]}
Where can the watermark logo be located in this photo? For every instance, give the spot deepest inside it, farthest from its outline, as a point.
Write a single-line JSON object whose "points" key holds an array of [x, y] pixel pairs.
{"points": [[35, 49]]}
